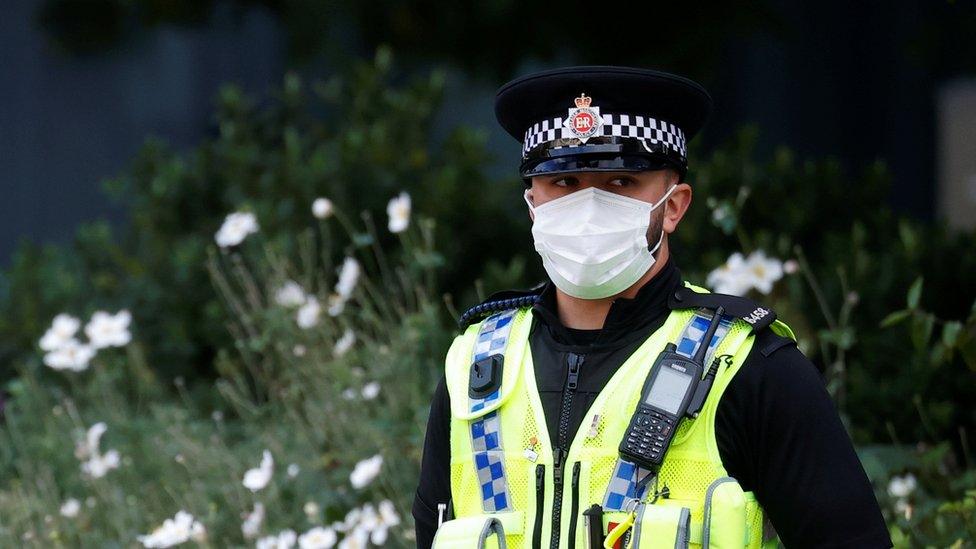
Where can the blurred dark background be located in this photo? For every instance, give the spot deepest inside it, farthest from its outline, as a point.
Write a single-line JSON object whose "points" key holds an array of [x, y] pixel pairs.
{"points": [[85, 81]]}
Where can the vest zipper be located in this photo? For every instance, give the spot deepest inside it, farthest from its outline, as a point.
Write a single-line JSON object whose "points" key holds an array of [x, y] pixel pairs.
{"points": [[575, 361], [540, 504], [574, 513]]}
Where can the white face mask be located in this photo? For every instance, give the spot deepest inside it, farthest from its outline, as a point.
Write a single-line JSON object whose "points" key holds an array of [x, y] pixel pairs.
{"points": [[593, 243]]}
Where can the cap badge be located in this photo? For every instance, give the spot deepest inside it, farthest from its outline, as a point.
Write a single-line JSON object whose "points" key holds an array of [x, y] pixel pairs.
{"points": [[583, 121]]}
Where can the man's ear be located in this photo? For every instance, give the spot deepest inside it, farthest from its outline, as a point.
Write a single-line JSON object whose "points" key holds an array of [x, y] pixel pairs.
{"points": [[676, 206]]}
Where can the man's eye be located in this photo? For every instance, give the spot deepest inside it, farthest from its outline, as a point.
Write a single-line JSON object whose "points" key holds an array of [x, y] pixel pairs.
{"points": [[620, 182], [564, 182]]}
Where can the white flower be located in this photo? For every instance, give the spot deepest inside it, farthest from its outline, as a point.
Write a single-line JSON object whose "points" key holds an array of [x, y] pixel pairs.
{"points": [[731, 278], [387, 518], [290, 294], [99, 465], [257, 478], [388, 513], [94, 463], [368, 519], [371, 390], [764, 270], [235, 229], [902, 507], [252, 521], [358, 538], [174, 531], [284, 540], [322, 208], [349, 394], [106, 330], [336, 305], [366, 471], [90, 444], [71, 355], [720, 212], [344, 343], [351, 519], [62, 331], [791, 266], [902, 487], [308, 314], [70, 508], [311, 509], [293, 470], [348, 276], [299, 350], [317, 538], [378, 535], [399, 211]]}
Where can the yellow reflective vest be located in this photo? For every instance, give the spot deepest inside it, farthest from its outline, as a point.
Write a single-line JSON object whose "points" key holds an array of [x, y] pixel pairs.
{"points": [[503, 471]]}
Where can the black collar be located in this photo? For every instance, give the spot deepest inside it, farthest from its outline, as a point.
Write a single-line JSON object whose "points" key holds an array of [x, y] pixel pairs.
{"points": [[628, 317]]}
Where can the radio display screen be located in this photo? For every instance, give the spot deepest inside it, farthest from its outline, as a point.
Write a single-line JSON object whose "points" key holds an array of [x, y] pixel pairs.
{"points": [[668, 390]]}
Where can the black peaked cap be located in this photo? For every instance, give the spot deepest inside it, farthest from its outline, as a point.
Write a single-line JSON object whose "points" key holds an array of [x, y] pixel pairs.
{"points": [[624, 90]]}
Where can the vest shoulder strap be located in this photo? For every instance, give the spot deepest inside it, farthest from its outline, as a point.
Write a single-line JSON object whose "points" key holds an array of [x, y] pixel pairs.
{"points": [[479, 378], [759, 317]]}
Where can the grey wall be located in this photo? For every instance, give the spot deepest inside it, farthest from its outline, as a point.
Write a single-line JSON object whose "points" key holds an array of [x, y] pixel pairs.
{"points": [[68, 122]]}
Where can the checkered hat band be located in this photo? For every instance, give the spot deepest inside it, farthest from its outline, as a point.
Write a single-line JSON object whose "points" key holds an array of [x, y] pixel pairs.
{"points": [[649, 129], [626, 475], [486, 434]]}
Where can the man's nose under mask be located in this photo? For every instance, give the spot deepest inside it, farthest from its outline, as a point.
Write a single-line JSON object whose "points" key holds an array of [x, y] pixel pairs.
{"points": [[593, 243]]}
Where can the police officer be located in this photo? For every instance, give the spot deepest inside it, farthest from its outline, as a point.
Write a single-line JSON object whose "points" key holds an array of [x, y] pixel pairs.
{"points": [[527, 428]]}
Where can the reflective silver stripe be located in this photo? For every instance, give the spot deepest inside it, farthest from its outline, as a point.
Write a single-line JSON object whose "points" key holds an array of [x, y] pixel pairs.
{"points": [[635, 535], [707, 522], [492, 526], [684, 527]]}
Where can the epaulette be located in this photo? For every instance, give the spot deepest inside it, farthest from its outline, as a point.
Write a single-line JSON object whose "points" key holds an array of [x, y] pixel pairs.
{"points": [[500, 301], [756, 315]]}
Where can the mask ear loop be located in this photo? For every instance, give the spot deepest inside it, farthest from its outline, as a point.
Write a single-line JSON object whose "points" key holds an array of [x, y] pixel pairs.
{"points": [[663, 198], [525, 196], [660, 239]]}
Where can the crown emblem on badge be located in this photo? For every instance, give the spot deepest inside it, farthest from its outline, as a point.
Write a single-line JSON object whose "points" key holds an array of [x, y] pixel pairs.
{"points": [[584, 121]]}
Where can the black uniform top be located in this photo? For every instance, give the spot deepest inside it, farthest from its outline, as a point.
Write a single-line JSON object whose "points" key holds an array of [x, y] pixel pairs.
{"points": [[778, 432]]}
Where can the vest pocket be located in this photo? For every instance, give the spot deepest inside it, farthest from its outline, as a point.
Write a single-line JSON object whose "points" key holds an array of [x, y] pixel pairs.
{"points": [[660, 527], [478, 532], [655, 527], [724, 515]]}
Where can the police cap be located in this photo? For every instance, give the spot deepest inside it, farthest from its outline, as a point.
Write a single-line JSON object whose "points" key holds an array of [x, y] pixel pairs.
{"points": [[602, 118]]}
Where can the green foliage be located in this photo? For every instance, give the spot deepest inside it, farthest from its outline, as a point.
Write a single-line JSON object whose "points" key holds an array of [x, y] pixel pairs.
{"points": [[354, 138], [281, 387], [897, 352]]}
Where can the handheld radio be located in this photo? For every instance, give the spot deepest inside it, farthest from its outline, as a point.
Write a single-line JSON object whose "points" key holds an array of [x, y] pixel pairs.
{"points": [[673, 389]]}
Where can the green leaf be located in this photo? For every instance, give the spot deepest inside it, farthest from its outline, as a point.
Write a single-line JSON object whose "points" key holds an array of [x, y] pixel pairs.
{"points": [[843, 338], [895, 317], [922, 326], [950, 333], [915, 293]]}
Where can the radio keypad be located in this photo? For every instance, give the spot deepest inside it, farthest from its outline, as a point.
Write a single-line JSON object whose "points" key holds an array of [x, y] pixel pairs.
{"points": [[649, 433]]}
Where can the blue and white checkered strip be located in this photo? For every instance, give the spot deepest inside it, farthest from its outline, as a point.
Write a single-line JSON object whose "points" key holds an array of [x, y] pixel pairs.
{"points": [[617, 125], [486, 437], [622, 487], [694, 332], [625, 474]]}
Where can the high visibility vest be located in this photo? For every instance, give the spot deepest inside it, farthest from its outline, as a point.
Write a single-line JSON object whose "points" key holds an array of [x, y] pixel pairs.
{"points": [[503, 465]]}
